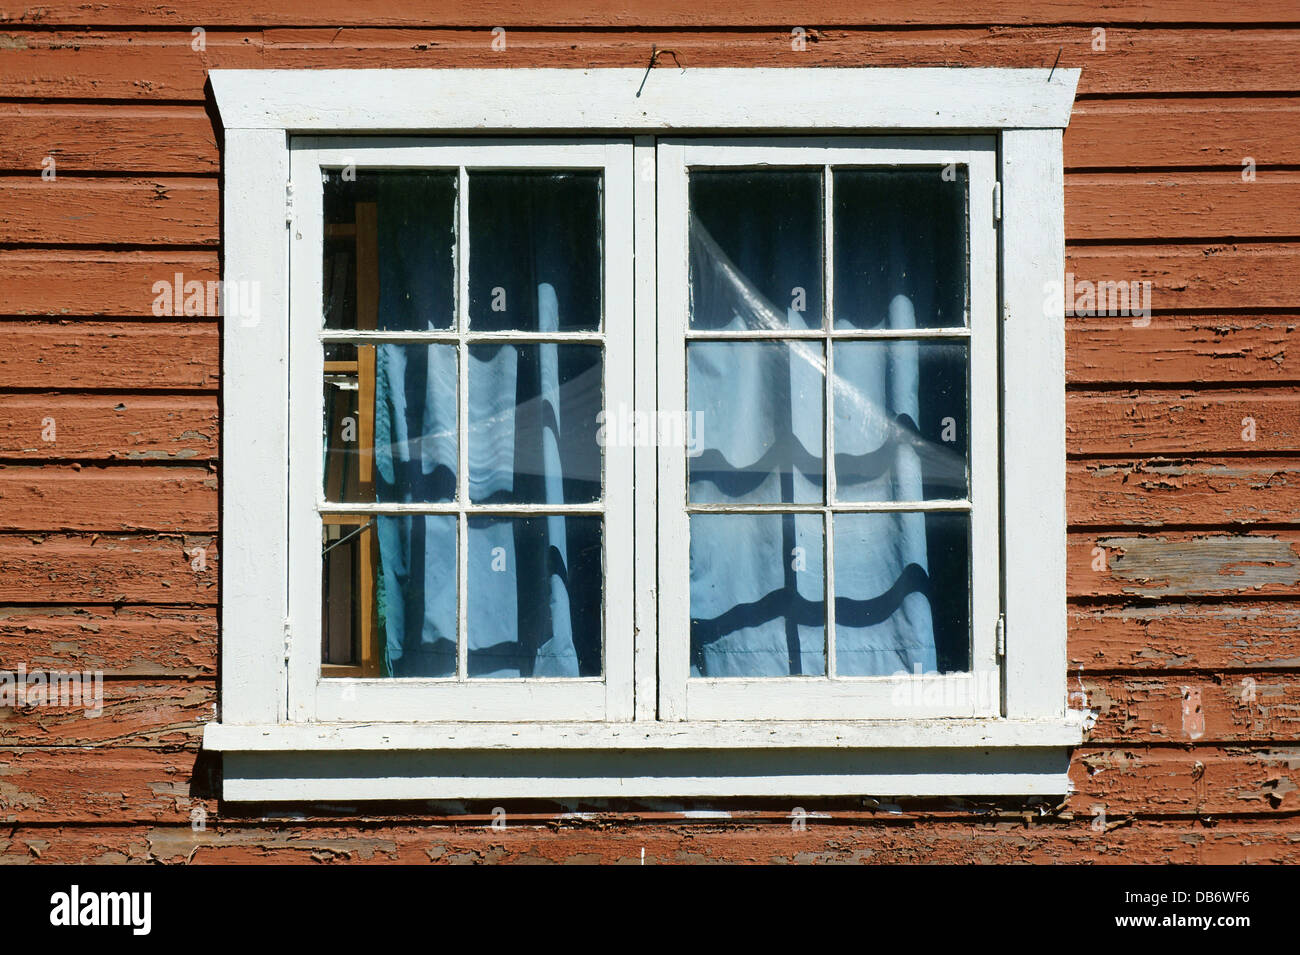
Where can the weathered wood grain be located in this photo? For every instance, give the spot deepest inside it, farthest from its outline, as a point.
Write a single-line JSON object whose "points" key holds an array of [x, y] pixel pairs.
{"points": [[116, 785], [107, 569], [1187, 492], [1183, 421], [163, 65], [86, 355], [113, 427], [1181, 636], [77, 498], [1194, 349], [108, 283], [103, 138], [133, 641], [1183, 564], [1202, 781], [1260, 707], [132, 714], [109, 212]]}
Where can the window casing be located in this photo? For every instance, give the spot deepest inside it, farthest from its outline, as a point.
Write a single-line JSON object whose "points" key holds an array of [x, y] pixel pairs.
{"points": [[278, 713]]}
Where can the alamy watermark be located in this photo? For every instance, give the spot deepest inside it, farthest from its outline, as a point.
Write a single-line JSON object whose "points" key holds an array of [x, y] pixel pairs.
{"points": [[53, 688], [624, 427], [1100, 298]]}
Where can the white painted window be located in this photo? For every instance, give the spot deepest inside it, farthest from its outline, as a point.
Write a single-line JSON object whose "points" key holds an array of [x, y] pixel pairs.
{"points": [[692, 320]]}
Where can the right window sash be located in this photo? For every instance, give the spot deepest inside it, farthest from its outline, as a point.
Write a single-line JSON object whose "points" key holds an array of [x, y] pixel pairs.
{"points": [[828, 344]]}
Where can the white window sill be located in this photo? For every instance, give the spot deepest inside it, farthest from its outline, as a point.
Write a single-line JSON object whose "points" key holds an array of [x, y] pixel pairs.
{"points": [[973, 757]]}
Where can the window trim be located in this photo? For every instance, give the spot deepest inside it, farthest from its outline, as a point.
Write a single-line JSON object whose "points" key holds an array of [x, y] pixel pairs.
{"points": [[269, 757]]}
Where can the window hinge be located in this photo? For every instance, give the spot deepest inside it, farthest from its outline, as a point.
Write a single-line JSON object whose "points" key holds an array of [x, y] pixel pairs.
{"points": [[288, 640], [288, 204], [997, 202], [1001, 631]]}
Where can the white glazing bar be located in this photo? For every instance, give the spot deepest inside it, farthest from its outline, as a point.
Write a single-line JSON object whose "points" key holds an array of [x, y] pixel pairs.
{"points": [[828, 409], [462, 428], [839, 507], [454, 507], [816, 334], [452, 336]]}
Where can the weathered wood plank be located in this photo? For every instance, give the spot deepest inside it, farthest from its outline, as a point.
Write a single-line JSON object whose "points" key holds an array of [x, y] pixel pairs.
{"points": [[1225, 275], [130, 714], [115, 427], [645, 13], [163, 65], [87, 355], [1182, 636], [1186, 492], [1184, 564], [1193, 131], [117, 785], [107, 569], [1204, 349], [1183, 422], [109, 283], [1003, 842], [100, 138], [1157, 780], [1262, 707], [135, 641], [127, 211], [143, 498], [1122, 207]]}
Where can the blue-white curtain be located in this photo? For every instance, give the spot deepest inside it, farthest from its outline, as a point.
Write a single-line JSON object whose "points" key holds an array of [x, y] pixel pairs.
{"points": [[757, 599]]}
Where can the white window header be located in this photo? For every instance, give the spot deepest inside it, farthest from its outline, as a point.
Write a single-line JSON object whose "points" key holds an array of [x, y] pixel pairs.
{"points": [[695, 100]]}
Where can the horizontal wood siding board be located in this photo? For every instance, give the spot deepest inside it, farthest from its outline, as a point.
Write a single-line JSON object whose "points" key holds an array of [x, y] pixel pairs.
{"points": [[1192, 708], [133, 714], [1200, 349], [1189, 492], [180, 355], [107, 138], [645, 13], [145, 498], [1183, 422], [107, 569], [130, 640], [108, 427], [1186, 636], [163, 65], [109, 283], [1181, 564], [108, 211]]}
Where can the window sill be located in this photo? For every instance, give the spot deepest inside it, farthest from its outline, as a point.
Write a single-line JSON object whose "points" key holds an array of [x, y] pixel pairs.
{"points": [[973, 757]]}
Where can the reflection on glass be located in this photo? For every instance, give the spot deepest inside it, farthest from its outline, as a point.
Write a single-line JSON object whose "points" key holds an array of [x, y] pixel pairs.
{"points": [[755, 421], [756, 249], [900, 247], [389, 250], [757, 595], [902, 593], [900, 420], [535, 596], [533, 420], [390, 424], [530, 232]]}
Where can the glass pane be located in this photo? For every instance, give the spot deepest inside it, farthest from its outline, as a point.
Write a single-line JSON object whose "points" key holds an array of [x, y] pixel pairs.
{"points": [[757, 595], [533, 413], [902, 593], [390, 424], [900, 247], [389, 250], [756, 425], [756, 249], [900, 420], [390, 594], [534, 251], [535, 596]]}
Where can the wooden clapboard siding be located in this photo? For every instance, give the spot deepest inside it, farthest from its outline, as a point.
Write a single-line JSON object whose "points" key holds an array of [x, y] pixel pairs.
{"points": [[1184, 552]]}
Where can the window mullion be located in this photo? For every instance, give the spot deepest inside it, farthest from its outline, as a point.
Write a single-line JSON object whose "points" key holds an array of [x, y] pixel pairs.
{"points": [[462, 423], [828, 410]]}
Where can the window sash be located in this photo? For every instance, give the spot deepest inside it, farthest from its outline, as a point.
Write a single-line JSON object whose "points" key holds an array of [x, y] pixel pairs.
{"points": [[971, 694], [312, 697]]}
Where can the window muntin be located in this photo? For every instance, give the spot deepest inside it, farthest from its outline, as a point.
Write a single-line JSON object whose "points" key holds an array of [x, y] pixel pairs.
{"points": [[469, 519], [754, 526]]}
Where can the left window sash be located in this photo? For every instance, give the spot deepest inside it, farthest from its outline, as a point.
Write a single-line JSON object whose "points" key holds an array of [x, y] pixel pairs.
{"points": [[473, 506]]}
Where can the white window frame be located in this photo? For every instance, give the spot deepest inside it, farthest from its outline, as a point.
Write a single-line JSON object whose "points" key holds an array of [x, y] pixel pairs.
{"points": [[271, 752]]}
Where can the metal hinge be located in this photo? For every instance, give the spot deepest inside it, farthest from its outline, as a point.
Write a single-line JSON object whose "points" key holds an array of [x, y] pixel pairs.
{"points": [[997, 202], [288, 204], [1001, 631], [288, 640]]}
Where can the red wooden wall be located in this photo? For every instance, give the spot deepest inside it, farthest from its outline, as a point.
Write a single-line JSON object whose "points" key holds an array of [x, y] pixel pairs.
{"points": [[108, 549]]}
